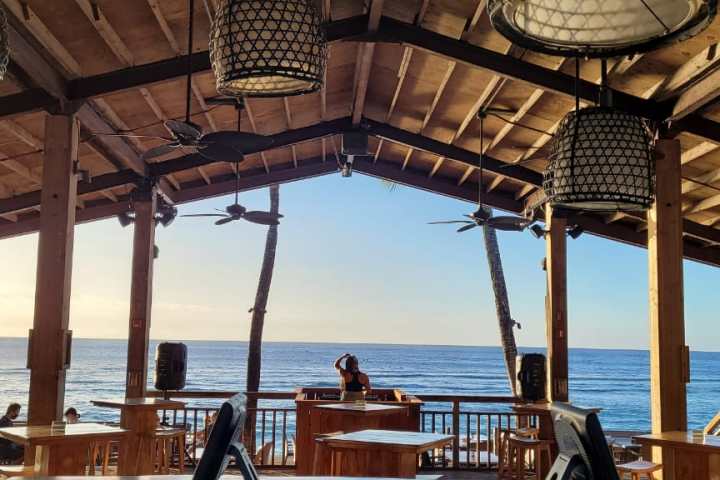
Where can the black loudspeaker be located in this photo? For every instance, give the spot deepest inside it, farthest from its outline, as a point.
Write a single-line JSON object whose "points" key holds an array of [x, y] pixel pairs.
{"points": [[355, 144], [531, 377], [170, 366]]}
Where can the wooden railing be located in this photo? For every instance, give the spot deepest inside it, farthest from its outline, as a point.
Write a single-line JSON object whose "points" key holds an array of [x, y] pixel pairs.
{"points": [[470, 418]]}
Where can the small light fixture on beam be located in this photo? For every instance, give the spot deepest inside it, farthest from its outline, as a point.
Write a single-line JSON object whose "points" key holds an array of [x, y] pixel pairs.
{"points": [[573, 231], [125, 219]]}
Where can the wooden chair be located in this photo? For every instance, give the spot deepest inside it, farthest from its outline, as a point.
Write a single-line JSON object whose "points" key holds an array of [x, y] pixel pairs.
{"points": [[713, 427], [167, 441], [9, 471], [263, 455], [101, 452], [525, 457], [637, 468], [289, 450]]}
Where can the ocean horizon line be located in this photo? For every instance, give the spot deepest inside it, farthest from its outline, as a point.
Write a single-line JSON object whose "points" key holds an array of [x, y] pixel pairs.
{"points": [[389, 344]]}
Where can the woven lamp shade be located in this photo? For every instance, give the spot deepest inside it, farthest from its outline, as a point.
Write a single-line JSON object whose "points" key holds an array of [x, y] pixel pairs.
{"points": [[601, 160], [4, 44], [265, 48], [599, 28]]}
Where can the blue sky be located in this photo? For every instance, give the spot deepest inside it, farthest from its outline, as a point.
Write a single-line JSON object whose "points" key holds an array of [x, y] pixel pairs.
{"points": [[356, 263]]}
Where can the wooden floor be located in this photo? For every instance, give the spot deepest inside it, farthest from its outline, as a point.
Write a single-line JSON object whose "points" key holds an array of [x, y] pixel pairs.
{"points": [[447, 474]]}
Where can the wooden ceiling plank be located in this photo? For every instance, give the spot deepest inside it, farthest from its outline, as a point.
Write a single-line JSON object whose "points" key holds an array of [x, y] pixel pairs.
{"points": [[525, 190], [465, 176], [294, 156], [407, 56], [288, 113], [22, 134], [624, 64], [698, 151], [106, 31], [707, 178], [43, 34], [109, 195], [204, 175], [162, 22], [705, 204], [517, 117], [378, 150], [436, 166], [698, 96], [495, 183], [695, 68]]}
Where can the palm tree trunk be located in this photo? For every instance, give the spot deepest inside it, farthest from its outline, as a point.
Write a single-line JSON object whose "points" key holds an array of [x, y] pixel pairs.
{"points": [[258, 317], [502, 304]]}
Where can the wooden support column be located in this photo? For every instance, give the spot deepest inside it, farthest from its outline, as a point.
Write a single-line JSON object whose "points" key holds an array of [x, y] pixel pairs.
{"points": [[145, 204], [556, 307], [669, 359], [50, 338]]}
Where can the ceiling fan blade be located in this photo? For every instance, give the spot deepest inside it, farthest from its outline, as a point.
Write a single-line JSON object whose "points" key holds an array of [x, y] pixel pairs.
{"points": [[262, 218], [231, 101], [510, 224], [218, 152], [159, 151], [182, 129], [204, 215], [225, 220], [131, 135], [466, 227], [446, 222], [242, 141]]}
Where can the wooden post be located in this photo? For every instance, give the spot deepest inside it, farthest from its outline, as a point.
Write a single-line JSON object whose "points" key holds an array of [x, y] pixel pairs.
{"points": [[556, 307], [50, 338], [145, 204], [669, 362]]}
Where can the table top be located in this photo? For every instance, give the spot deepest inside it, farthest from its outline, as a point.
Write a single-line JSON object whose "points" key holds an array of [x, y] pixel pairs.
{"points": [[686, 440], [151, 403], [420, 441], [47, 434], [545, 407], [363, 408], [232, 477]]}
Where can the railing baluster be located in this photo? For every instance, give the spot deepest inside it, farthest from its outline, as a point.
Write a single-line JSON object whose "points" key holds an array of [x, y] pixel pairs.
{"points": [[274, 425], [284, 438]]}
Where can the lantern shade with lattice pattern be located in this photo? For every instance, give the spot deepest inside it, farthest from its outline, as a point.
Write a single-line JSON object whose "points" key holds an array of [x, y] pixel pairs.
{"points": [[602, 160], [4, 44], [265, 48], [599, 28]]}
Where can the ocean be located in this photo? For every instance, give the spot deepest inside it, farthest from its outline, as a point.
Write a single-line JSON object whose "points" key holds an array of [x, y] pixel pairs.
{"points": [[617, 381]]}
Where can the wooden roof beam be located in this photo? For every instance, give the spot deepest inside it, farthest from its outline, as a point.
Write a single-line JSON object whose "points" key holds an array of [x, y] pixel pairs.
{"points": [[367, 50]]}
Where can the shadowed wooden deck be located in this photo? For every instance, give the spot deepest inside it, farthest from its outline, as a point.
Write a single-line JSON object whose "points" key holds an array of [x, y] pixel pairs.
{"points": [[446, 474]]}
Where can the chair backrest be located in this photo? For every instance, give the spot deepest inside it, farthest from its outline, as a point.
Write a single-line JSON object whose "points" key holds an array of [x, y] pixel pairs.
{"points": [[262, 456], [713, 427]]}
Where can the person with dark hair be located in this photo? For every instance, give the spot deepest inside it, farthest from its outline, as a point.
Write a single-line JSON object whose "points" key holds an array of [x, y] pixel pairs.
{"points": [[353, 383], [71, 416], [9, 451]]}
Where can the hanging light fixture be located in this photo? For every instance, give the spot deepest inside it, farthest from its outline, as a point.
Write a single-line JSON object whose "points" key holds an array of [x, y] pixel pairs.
{"points": [[599, 28], [267, 48], [601, 159], [4, 44]]}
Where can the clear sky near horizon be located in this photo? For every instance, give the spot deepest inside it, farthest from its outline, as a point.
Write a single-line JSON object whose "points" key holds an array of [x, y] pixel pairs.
{"points": [[356, 263]]}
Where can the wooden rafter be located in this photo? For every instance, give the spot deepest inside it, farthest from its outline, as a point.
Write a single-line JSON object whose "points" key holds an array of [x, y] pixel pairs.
{"points": [[364, 65]]}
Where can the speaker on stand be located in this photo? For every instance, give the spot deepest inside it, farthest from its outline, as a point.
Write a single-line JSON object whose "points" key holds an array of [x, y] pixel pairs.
{"points": [[531, 377], [170, 368]]}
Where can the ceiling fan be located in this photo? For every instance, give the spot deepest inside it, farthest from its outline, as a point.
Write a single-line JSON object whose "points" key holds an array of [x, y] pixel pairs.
{"points": [[236, 211], [223, 146], [483, 215]]}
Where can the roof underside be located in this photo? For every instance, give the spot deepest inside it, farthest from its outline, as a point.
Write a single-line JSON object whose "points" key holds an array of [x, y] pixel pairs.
{"points": [[417, 91]]}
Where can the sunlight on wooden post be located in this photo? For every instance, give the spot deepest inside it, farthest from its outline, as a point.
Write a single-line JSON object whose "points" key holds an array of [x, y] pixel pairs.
{"points": [[50, 337], [669, 362], [556, 307], [145, 204]]}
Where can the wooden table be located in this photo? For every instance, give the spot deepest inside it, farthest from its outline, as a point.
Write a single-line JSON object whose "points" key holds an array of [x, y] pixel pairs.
{"points": [[62, 450], [683, 456], [352, 417], [229, 477], [381, 453], [139, 417]]}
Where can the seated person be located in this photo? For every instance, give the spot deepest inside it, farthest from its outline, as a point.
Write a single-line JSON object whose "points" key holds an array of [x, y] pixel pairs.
{"points": [[71, 416], [9, 451], [353, 383]]}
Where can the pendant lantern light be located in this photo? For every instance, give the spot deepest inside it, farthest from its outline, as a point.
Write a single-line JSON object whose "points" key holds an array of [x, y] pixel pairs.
{"points": [[601, 160], [599, 28], [4, 44], [268, 48]]}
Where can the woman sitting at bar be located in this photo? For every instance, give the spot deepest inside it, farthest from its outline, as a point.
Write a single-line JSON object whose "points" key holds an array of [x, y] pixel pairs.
{"points": [[354, 383]]}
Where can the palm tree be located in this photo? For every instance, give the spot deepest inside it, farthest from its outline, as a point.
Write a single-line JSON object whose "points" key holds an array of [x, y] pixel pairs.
{"points": [[258, 315], [502, 304]]}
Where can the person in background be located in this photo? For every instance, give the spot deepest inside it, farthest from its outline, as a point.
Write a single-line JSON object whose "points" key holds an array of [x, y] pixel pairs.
{"points": [[9, 451], [353, 383], [71, 416]]}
